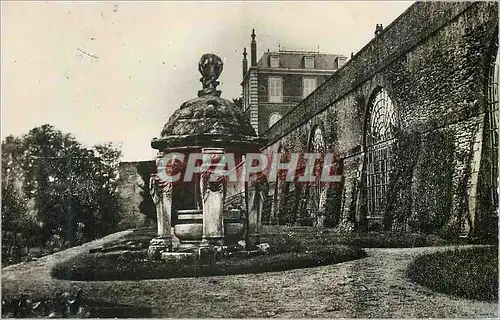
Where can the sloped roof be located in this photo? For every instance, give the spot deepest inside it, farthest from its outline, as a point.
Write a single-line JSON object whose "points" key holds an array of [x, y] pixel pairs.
{"points": [[208, 120], [295, 60]]}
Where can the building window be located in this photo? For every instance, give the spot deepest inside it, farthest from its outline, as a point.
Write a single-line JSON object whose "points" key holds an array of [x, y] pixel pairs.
{"points": [[309, 62], [275, 61], [492, 126], [275, 117], [308, 86], [275, 89], [379, 146]]}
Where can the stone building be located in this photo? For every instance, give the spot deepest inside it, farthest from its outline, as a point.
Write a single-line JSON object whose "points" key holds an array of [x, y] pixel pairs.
{"points": [[280, 80], [413, 121]]}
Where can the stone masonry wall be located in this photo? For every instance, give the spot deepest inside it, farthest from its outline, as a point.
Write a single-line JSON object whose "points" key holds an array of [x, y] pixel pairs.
{"points": [[137, 208], [432, 61]]}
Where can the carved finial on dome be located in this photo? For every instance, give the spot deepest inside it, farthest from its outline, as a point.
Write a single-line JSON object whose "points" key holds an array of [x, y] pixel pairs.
{"points": [[210, 67]]}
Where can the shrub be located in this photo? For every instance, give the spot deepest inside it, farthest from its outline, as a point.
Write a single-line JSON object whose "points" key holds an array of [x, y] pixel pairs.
{"points": [[470, 273], [287, 251]]}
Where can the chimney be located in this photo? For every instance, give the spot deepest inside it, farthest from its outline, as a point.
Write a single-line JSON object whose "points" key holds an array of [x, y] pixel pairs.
{"points": [[339, 62], [378, 29], [253, 50], [245, 62]]}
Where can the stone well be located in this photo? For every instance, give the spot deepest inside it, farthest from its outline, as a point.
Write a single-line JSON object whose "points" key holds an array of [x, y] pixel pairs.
{"points": [[213, 127]]}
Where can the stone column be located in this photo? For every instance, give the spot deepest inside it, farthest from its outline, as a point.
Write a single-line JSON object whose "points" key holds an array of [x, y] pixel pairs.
{"points": [[161, 193], [257, 194], [164, 227], [213, 191], [321, 217], [163, 240]]}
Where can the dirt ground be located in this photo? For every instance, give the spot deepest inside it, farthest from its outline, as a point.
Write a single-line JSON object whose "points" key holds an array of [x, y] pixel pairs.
{"points": [[375, 286]]}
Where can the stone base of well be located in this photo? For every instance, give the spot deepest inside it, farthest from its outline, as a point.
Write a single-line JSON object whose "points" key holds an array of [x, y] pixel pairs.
{"points": [[253, 240], [216, 241], [159, 245], [187, 246], [177, 256]]}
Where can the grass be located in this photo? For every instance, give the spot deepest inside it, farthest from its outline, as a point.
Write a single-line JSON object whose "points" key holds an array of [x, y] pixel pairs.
{"points": [[285, 253], [302, 238], [336, 291], [357, 239], [290, 248], [469, 273]]}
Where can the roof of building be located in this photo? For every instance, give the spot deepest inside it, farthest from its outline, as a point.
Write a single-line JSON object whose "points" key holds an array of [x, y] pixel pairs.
{"points": [[295, 60], [208, 114], [209, 120]]}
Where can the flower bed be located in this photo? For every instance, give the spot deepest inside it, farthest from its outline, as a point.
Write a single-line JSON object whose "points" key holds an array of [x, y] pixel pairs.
{"points": [[134, 265]]}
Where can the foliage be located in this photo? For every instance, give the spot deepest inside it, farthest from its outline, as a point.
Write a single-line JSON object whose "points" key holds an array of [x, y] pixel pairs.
{"points": [[287, 251], [17, 226], [51, 181], [62, 306], [238, 102], [470, 273], [306, 237], [146, 206], [434, 186]]}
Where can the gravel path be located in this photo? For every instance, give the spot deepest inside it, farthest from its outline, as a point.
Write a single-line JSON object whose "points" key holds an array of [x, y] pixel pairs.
{"points": [[375, 286], [34, 277]]}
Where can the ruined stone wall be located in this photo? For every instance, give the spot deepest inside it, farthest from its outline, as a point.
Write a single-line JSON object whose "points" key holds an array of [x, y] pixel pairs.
{"points": [[433, 63], [137, 208]]}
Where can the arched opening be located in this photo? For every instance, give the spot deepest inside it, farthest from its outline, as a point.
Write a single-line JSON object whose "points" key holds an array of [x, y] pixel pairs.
{"points": [[381, 124], [492, 110], [283, 198], [277, 194], [483, 195], [317, 190], [273, 118]]}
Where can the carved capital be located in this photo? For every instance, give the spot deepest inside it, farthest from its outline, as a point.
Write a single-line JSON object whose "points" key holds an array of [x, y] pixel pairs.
{"points": [[154, 189], [212, 182], [167, 188], [259, 183], [158, 187]]}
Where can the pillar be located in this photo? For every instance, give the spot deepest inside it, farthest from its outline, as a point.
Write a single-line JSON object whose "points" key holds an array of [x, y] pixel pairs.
{"points": [[257, 194], [161, 193], [213, 191], [164, 227]]}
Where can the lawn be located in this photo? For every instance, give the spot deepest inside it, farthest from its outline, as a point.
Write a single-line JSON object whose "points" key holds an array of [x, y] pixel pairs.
{"points": [[290, 248], [324, 236], [470, 273], [336, 290]]}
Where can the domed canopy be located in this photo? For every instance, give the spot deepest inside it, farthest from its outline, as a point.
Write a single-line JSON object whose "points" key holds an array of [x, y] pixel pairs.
{"points": [[209, 120]]}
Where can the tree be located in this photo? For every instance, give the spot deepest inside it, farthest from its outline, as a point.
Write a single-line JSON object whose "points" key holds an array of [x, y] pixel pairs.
{"points": [[109, 200], [238, 102], [73, 188]]}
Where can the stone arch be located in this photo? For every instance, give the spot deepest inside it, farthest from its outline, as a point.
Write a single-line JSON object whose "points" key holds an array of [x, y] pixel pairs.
{"points": [[483, 184], [316, 192], [273, 118], [379, 135], [276, 195], [492, 119], [281, 196]]}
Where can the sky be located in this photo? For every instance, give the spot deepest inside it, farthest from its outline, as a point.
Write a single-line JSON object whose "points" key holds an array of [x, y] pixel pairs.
{"points": [[116, 71]]}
